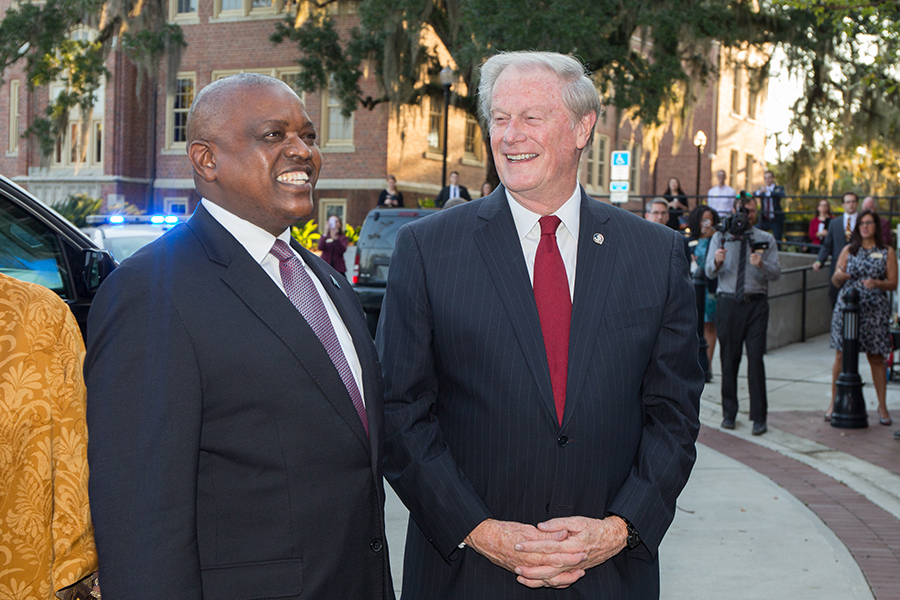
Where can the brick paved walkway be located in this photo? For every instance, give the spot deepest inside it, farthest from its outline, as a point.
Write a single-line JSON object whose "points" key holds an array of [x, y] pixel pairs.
{"points": [[874, 444], [871, 534]]}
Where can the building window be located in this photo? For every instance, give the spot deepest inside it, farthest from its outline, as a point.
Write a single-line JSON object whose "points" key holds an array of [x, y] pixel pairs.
{"points": [[98, 142], [474, 144], [176, 206], [635, 183], [595, 164], [738, 84], [329, 207], [342, 7], [286, 74], [14, 116], [733, 169], [183, 10], [436, 126], [74, 149], [749, 174], [752, 101], [245, 8], [179, 104], [337, 130]]}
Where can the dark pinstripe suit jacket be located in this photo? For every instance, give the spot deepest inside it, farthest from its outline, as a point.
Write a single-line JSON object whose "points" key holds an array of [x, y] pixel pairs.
{"points": [[471, 430], [227, 460]]}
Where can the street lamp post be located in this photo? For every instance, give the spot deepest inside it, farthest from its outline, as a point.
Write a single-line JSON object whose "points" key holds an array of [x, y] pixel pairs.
{"points": [[700, 142], [446, 82]]}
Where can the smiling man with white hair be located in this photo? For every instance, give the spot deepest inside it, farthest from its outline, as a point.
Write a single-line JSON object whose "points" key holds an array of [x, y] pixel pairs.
{"points": [[540, 358]]}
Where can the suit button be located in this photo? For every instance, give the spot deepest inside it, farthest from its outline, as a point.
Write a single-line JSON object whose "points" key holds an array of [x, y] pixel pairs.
{"points": [[562, 440], [376, 545]]}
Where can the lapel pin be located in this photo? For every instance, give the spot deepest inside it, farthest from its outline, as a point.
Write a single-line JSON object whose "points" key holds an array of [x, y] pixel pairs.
{"points": [[598, 238], [334, 281]]}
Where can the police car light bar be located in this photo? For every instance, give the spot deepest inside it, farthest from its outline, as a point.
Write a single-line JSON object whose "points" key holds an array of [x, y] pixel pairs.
{"points": [[141, 219]]}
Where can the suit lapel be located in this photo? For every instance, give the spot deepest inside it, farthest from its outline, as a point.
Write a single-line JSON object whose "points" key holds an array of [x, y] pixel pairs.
{"points": [[262, 296], [498, 242], [593, 281]]}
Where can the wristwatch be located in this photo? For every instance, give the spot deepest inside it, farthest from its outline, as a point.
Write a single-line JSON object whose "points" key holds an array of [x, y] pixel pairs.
{"points": [[633, 540]]}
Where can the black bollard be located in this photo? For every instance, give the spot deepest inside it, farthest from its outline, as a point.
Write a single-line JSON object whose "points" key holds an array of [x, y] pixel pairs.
{"points": [[700, 291], [849, 405]]}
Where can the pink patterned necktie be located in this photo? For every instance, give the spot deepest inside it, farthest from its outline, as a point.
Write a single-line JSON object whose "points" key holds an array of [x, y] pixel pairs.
{"points": [[554, 304], [302, 292]]}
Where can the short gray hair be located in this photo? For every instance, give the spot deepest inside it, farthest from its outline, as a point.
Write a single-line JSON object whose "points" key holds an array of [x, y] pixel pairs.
{"points": [[579, 94], [657, 200]]}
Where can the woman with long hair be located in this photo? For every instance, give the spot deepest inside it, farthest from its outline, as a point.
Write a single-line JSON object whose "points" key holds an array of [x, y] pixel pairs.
{"points": [[678, 204], [390, 196], [702, 223], [334, 243], [818, 227], [869, 266]]}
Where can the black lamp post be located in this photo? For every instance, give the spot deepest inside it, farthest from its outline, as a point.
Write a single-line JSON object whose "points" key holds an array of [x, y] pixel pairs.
{"points": [[849, 406], [700, 142], [447, 82]]}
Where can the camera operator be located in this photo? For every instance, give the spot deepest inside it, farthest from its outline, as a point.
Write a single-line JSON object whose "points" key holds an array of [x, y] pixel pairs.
{"points": [[744, 259]]}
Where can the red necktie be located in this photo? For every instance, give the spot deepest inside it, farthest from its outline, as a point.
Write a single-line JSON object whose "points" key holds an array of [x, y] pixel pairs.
{"points": [[302, 292], [554, 304]]}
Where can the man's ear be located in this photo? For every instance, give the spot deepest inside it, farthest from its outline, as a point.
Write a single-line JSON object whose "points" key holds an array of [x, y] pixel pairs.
{"points": [[203, 159], [583, 129]]}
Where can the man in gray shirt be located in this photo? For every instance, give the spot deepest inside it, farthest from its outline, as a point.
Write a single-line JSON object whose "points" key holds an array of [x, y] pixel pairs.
{"points": [[744, 266]]}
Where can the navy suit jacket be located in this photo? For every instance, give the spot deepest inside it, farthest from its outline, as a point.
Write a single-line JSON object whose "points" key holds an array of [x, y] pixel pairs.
{"points": [[444, 195], [227, 459], [834, 242], [471, 431]]}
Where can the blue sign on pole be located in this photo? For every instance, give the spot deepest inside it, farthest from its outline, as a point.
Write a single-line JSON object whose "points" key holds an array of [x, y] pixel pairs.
{"points": [[621, 158]]}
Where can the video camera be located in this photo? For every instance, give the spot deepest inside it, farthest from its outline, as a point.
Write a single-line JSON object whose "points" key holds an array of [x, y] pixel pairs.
{"points": [[735, 225]]}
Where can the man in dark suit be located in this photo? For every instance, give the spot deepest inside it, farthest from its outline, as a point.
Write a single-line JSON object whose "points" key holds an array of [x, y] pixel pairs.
{"points": [[836, 238], [540, 418], [771, 213], [454, 190], [234, 394]]}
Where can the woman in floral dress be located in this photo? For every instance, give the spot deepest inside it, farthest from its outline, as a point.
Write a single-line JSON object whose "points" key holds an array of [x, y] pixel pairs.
{"points": [[867, 265]]}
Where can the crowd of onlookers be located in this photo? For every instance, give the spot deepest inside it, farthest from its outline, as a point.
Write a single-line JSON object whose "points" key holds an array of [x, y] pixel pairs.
{"points": [[862, 262]]}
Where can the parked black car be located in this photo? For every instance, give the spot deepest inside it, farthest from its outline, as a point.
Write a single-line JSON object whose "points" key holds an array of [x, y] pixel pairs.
{"points": [[38, 245], [369, 270]]}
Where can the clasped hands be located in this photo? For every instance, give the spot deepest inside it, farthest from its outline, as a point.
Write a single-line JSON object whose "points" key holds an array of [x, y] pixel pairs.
{"points": [[554, 554]]}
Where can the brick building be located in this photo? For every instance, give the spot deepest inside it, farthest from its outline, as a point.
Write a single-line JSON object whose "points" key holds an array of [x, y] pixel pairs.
{"points": [[134, 149]]}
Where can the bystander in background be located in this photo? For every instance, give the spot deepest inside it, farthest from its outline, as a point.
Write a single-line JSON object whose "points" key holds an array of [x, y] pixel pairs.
{"points": [[721, 197], [869, 266], [703, 223], [838, 236], [771, 210], [818, 227], [334, 244], [678, 204], [744, 263], [46, 535], [390, 197], [870, 203]]}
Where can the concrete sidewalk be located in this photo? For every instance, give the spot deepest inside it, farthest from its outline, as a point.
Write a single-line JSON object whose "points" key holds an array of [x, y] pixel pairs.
{"points": [[740, 532]]}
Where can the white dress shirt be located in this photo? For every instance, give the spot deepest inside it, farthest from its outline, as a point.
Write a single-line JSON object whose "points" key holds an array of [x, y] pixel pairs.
{"points": [[721, 199], [258, 242], [529, 230]]}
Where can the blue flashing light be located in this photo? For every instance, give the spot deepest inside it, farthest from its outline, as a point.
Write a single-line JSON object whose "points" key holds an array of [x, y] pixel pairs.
{"points": [[171, 219], [116, 219], [157, 219]]}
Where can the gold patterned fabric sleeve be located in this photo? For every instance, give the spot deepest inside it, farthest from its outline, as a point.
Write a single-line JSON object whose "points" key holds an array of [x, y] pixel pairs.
{"points": [[46, 536]]}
